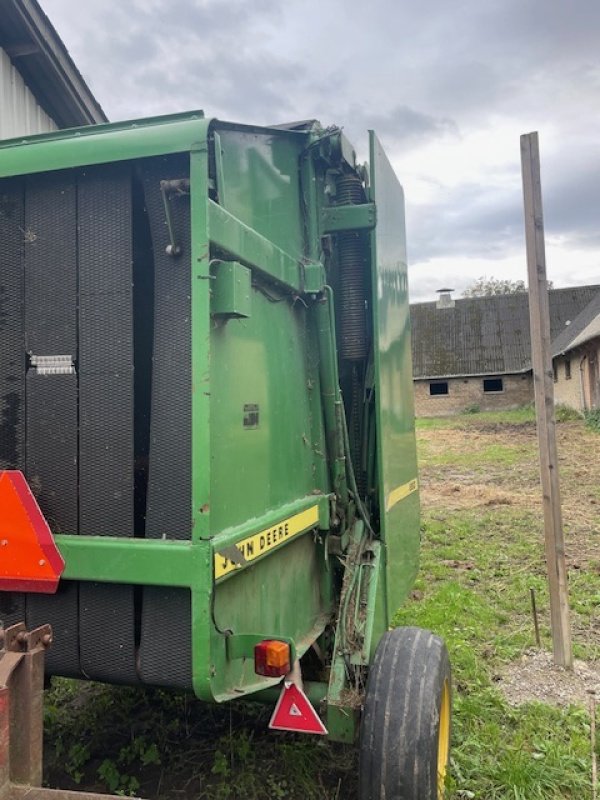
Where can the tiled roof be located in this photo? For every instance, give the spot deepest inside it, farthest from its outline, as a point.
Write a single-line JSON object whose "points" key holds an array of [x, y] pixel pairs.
{"points": [[486, 335]]}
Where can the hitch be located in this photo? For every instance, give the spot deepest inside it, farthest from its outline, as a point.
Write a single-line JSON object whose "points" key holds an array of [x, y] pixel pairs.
{"points": [[21, 717]]}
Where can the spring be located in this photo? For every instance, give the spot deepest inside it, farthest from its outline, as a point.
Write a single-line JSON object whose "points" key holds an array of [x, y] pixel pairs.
{"points": [[353, 344]]}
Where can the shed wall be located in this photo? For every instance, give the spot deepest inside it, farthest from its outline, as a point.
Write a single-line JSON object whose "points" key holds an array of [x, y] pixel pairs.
{"points": [[20, 113], [582, 390], [463, 393], [568, 391]]}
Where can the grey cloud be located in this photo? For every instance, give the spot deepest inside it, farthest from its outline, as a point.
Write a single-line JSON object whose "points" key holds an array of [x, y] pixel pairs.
{"points": [[402, 124], [415, 72], [474, 221], [478, 220]]}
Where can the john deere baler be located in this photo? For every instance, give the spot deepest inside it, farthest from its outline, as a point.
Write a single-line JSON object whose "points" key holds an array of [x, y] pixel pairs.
{"points": [[205, 380]]}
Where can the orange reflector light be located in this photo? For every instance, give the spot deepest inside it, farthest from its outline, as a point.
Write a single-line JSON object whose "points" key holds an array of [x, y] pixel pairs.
{"points": [[272, 658], [29, 558]]}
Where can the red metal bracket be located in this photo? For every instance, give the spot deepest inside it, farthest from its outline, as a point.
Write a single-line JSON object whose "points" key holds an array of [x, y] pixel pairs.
{"points": [[21, 717]]}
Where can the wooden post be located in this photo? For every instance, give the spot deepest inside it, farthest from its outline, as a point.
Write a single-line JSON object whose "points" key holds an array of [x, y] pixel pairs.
{"points": [[543, 381]]}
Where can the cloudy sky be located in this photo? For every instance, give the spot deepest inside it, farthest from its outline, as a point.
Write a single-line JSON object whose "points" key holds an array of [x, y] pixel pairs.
{"points": [[449, 85]]}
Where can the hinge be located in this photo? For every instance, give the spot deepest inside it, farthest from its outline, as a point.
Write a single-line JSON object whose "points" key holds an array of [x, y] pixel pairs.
{"points": [[52, 365]]}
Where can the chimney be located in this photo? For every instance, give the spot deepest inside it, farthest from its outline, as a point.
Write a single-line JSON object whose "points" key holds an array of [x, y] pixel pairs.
{"points": [[445, 298]]}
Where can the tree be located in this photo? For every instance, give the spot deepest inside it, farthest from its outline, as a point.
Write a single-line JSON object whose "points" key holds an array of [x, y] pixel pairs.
{"points": [[487, 287]]}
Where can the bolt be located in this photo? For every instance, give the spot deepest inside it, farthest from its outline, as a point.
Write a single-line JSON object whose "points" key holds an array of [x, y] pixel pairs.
{"points": [[21, 637], [47, 639], [3, 542], [41, 562]]}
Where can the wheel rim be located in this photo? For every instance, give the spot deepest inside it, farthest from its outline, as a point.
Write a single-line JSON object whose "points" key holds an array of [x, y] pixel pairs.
{"points": [[443, 739]]}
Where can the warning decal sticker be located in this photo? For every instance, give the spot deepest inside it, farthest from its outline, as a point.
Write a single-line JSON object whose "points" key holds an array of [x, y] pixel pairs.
{"points": [[229, 559]]}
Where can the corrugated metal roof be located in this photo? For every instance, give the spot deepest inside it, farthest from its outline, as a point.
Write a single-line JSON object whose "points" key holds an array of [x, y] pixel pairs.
{"points": [[20, 113], [584, 327], [485, 335]]}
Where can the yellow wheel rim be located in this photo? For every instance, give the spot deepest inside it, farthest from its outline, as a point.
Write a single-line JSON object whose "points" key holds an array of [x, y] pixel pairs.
{"points": [[443, 739]]}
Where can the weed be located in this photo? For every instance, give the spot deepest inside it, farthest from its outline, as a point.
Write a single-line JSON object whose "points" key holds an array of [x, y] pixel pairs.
{"points": [[564, 413], [592, 420]]}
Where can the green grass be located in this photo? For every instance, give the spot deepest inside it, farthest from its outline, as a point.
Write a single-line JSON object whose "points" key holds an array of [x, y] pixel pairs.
{"points": [[482, 612], [477, 567], [515, 416]]}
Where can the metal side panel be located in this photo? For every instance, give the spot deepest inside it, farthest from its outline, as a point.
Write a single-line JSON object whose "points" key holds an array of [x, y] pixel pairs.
{"points": [[106, 410], [52, 447], [59, 610], [50, 295], [166, 613], [397, 460], [51, 264], [12, 353]]}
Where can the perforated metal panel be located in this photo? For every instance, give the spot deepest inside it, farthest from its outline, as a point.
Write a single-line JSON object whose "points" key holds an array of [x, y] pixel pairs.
{"points": [[166, 613]]}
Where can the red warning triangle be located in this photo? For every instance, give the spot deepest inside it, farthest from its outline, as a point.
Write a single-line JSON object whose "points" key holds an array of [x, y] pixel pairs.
{"points": [[29, 558], [294, 712]]}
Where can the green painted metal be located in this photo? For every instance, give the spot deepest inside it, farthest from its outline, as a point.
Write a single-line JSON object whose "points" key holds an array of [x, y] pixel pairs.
{"points": [[269, 437], [397, 461], [167, 562], [260, 165], [332, 400], [230, 291], [368, 582], [152, 562], [314, 278], [348, 218], [101, 144], [245, 244]]}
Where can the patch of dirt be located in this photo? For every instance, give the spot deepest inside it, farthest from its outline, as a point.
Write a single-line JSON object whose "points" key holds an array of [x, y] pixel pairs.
{"points": [[459, 486], [503, 428], [466, 495], [535, 677]]}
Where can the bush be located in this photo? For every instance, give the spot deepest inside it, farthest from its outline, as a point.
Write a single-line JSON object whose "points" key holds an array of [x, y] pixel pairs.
{"points": [[592, 419], [472, 409], [564, 413]]}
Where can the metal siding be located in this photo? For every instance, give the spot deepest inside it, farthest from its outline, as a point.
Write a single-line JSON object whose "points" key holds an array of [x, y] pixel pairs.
{"points": [[20, 114]]}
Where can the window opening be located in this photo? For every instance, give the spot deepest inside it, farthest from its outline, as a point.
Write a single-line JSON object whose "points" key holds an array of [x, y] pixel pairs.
{"points": [[493, 385], [436, 389]]}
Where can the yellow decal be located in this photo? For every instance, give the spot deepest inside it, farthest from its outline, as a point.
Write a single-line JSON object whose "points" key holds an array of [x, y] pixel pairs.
{"points": [[243, 552], [400, 492]]}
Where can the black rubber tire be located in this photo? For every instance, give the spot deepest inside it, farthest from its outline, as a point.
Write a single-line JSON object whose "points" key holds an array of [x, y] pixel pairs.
{"points": [[408, 691]]}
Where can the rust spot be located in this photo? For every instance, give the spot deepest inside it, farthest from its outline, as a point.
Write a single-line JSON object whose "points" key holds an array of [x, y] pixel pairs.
{"points": [[204, 509]]}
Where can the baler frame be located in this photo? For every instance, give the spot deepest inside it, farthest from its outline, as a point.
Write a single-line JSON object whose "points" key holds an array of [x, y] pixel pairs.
{"points": [[359, 564]]}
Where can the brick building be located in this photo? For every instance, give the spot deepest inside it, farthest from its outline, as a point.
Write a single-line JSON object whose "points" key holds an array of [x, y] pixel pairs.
{"points": [[476, 351]]}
